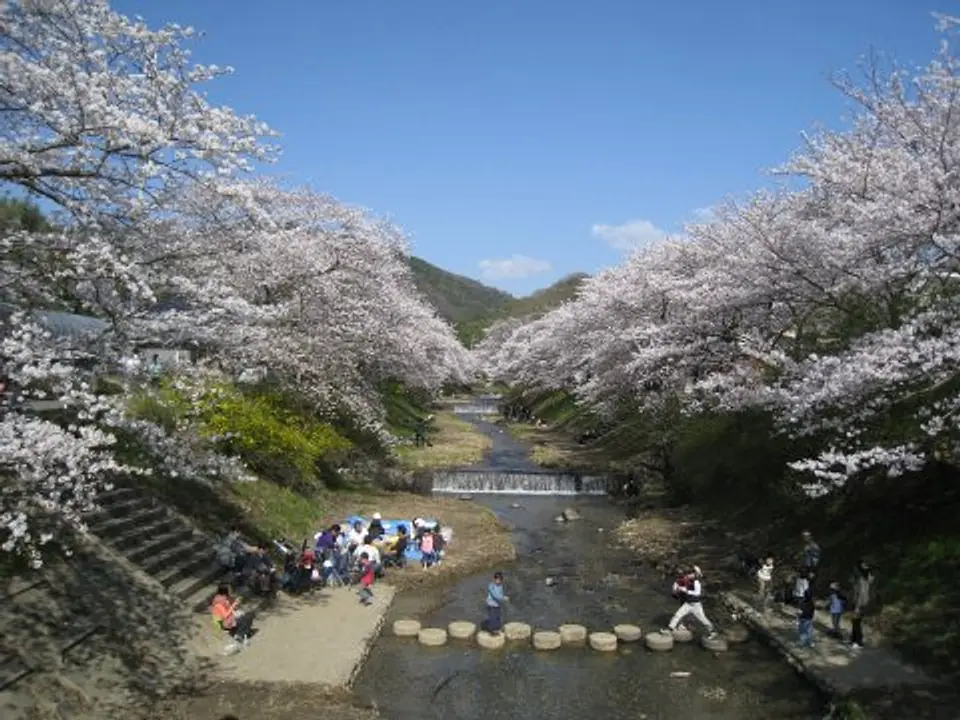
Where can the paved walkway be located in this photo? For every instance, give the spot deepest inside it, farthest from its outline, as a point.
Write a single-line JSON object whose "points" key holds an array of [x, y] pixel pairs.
{"points": [[830, 664], [321, 639]]}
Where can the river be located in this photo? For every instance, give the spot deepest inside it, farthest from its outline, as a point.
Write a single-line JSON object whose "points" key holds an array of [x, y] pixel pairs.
{"points": [[596, 585]]}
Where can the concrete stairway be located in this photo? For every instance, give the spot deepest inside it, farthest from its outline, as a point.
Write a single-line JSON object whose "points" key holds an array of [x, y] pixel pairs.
{"points": [[162, 544]]}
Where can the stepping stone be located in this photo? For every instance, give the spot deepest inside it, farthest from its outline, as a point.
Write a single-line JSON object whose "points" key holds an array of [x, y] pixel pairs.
{"points": [[434, 637], [603, 641], [659, 641], [717, 643], [683, 635], [547, 640], [490, 642], [573, 634], [406, 628], [461, 629], [517, 631], [736, 633], [627, 633]]}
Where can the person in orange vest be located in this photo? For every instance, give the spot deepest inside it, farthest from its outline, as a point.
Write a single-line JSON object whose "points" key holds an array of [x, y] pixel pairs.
{"points": [[233, 621]]}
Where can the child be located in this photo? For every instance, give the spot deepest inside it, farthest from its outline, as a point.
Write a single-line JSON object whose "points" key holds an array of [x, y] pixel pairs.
{"points": [[764, 582], [366, 579], [495, 597], [801, 585], [805, 619], [427, 556], [837, 605]]}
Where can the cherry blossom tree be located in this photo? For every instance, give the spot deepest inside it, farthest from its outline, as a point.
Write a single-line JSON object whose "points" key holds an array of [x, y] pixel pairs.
{"points": [[834, 307], [105, 121]]}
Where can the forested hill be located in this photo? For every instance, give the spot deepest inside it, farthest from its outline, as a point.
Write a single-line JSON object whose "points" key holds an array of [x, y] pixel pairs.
{"points": [[472, 306], [457, 298]]}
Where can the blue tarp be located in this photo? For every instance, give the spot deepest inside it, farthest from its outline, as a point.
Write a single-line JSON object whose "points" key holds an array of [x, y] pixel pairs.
{"points": [[390, 528]]}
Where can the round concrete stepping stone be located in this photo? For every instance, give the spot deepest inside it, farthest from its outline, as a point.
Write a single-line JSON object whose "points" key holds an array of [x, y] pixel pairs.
{"points": [[406, 628], [572, 634], [517, 631], [433, 637], [736, 633], [717, 643], [683, 635], [461, 629], [603, 641], [659, 641], [490, 642], [627, 633], [547, 640]]}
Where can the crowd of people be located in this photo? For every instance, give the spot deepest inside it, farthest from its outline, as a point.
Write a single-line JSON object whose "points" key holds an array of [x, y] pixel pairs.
{"points": [[800, 585], [335, 556]]}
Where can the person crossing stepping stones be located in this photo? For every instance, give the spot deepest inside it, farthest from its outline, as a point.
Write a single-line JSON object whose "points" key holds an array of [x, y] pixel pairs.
{"points": [[493, 623], [691, 592]]}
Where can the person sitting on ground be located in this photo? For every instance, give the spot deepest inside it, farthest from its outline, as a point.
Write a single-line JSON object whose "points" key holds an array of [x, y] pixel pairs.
{"points": [[376, 530], [493, 622], [259, 572], [692, 594], [324, 542], [367, 575], [224, 609], [395, 549], [355, 537], [427, 555], [372, 553]]}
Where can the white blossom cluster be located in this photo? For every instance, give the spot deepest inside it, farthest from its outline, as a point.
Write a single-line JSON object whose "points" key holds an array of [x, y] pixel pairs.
{"points": [[835, 306], [162, 229]]}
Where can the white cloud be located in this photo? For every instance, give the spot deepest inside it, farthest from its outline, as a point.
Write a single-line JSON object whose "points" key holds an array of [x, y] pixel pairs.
{"points": [[514, 268], [704, 214], [631, 235]]}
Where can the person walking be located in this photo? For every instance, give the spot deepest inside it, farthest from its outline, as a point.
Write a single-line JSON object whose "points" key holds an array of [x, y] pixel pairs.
{"points": [[495, 599], [692, 595]]}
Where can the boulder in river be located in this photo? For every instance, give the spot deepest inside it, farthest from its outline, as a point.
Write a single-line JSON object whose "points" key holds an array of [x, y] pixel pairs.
{"points": [[466, 497], [571, 514], [550, 581], [560, 519]]}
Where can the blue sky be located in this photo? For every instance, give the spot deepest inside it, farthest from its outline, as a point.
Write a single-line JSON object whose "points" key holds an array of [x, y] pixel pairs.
{"points": [[520, 141]]}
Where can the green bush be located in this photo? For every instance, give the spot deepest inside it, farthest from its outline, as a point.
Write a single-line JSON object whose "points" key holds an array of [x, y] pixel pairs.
{"points": [[260, 427]]}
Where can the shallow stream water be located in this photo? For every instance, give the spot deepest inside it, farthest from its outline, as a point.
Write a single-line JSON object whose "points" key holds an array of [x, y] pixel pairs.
{"points": [[597, 585]]}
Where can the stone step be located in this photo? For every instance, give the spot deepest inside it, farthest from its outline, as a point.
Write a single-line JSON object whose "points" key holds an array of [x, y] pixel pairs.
{"points": [[118, 494], [141, 533], [106, 526], [195, 589], [124, 507], [153, 544], [13, 669], [177, 556]]}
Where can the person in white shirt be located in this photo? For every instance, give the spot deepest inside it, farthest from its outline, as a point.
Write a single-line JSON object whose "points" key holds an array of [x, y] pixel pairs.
{"points": [[764, 582], [692, 594], [373, 554], [356, 535]]}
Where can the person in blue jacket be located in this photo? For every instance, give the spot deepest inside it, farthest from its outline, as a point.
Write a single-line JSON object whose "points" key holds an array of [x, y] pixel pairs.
{"points": [[495, 599]]}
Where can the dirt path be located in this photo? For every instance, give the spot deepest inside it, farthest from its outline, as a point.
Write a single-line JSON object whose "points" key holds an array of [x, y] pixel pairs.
{"points": [[320, 639]]}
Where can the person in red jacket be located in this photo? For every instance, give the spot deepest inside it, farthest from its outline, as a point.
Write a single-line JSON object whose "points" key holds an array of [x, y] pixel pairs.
{"points": [[366, 579]]}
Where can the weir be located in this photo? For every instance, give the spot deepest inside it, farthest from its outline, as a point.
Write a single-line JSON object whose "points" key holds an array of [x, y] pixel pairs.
{"points": [[498, 482]]}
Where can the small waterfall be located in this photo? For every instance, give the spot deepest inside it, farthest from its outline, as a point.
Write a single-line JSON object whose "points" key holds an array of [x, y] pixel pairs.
{"points": [[476, 409], [518, 483]]}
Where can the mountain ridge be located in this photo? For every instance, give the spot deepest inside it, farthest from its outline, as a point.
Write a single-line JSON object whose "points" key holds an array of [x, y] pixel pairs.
{"points": [[471, 307]]}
